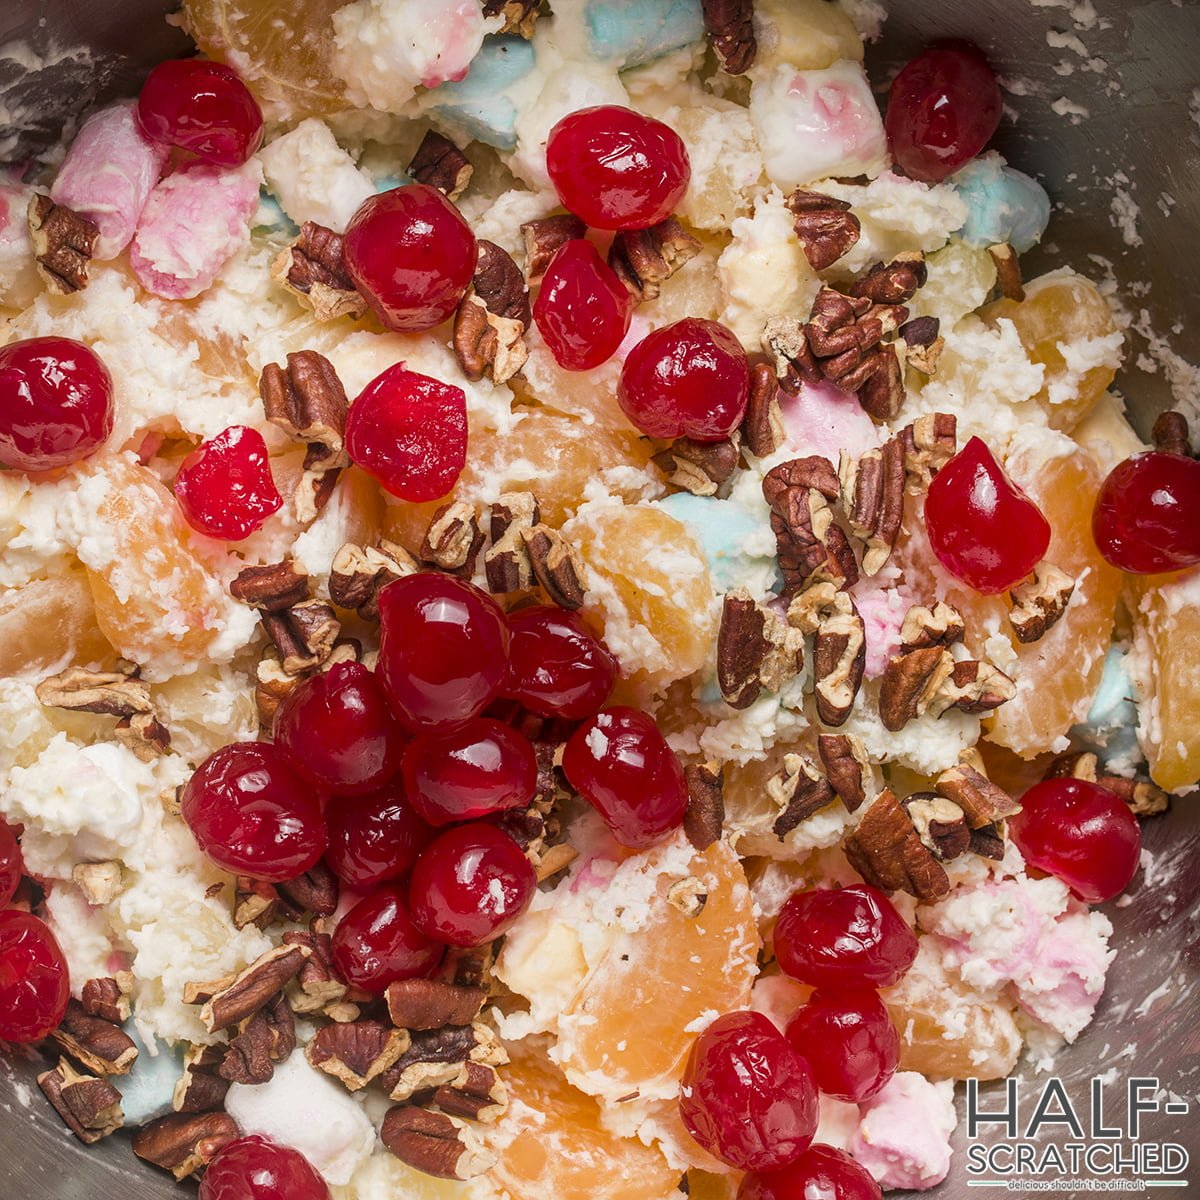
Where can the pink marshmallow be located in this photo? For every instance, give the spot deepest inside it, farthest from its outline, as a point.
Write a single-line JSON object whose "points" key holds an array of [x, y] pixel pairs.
{"points": [[1066, 978], [903, 1138], [824, 420], [193, 223], [108, 174], [882, 609]]}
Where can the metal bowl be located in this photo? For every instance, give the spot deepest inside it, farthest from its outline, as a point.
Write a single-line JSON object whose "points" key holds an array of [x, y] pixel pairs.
{"points": [[1130, 66]]}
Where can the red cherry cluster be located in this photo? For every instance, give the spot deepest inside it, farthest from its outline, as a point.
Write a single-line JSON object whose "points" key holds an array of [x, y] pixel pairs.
{"points": [[749, 1092]]}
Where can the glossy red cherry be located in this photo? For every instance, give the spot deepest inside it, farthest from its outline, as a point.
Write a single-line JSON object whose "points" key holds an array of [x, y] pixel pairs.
{"points": [[11, 866], [337, 727], [376, 942], [253, 814], [410, 432], [1147, 515], [253, 1168], [848, 1040], [225, 488], [481, 767], [942, 110], [982, 527], [690, 379], [56, 403], [34, 982], [617, 169], [375, 838], [583, 310], [849, 937], [411, 255], [202, 107], [443, 650], [746, 1095], [556, 666], [1080, 832], [621, 764], [470, 884], [820, 1173]]}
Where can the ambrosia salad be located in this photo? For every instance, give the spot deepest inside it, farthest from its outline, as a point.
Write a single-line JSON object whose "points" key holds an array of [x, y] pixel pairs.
{"points": [[569, 626]]}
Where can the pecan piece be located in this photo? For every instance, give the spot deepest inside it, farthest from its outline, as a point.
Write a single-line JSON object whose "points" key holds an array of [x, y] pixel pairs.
{"points": [[886, 850], [272, 685], [544, 238], [930, 443], [435, 1056], [506, 561], [981, 801], [108, 997], [356, 1052], [755, 649], [424, 1004], [910, 682], [200, 1088], [895, 282], [144, 735], [556, 565], [304, 635], [798, 791], [644, 259], [520, 16], [701, 468], [1144, 798], [688, 895], [357, 575], [923, 344], [99, 1045], [439, 163], [845, 761], [316, 985], [453, 540], [826, 227], [490, 325], [90, 1107], [705, 816], [183, 1143], [317, 891], [762, 427], [1170, 434], [99, 882], [225, 1002], [1008, 271], [254, 902], [973, 687], [923, 627], [271, 588], [839, 657], [311, 268], [266, 1037], [940, 824], [435, 1143], [63, 244], [1040, 602], [873, 497], [110, 694], [730, 28], [308, 402], [477, 1093]]}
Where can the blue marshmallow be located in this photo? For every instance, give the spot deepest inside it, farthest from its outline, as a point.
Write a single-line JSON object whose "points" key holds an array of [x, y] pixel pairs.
{"points": [[632, 32], [476, 104], [1003, 204], [271, 219], [1110, 728], [724, 529], [147, 1090]]}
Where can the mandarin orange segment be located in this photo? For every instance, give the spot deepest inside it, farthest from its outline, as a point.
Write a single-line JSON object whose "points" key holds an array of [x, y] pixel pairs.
{"points": [[590, 396], [1059, 323], [48, 624], [649, 589], [702, 1185], [672, 971], [551, 1144]]}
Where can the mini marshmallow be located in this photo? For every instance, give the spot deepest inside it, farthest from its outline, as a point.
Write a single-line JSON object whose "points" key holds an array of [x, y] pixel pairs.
{"points": [[313, 177], [1003, 204], [477, 105]]}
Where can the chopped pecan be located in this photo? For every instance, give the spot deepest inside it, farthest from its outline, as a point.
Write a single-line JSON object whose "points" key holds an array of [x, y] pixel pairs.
{"points": [[63, 244], [923, 627], [755, 649], [308, 402], [435, 1143], [317, 891], [1008, 271], [358, 574], [304, 634], [939, 823], [730, 28], [973, 687], [886, 850], [845, 761], [762, 427], [144, 735], [544, 238], [701, 468], [439, 163], [490, 325], [798, 791], [506, 561], [895, 282], [100, 1045], [806, 609], [477, 1093], [264, 1038], [873, 498], [826, 227], [923, 344], [200, 1088], [554, 859], [910, 683], [1079, 764], [108, 997], [1143, 798], [271, 588], [453, 539], [930, 443], [254, 902], [311, 268], [227, 1001], [705, 816], [1171, 435], [183, 1143], [90, 1107], [425, 1004], [644, 259], [688, 895], [99, 882], [1040, 602], [982, 801], [988, 842], [356, 1052], [839, 657], [556, 565], [435, 1056], [109, 694], [520, 16], [271, 687], [316, 985]]}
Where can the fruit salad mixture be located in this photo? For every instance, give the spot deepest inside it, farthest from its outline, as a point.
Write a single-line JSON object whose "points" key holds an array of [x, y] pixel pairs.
{"points": [[570, 627]]}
